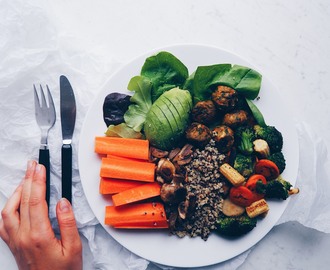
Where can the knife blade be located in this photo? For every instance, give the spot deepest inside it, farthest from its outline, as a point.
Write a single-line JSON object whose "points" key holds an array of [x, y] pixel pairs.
{"points": [[68, 119]]}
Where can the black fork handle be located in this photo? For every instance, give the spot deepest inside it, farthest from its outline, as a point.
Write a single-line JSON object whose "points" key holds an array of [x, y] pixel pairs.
{"points": [[67, 172], [44, 160]]}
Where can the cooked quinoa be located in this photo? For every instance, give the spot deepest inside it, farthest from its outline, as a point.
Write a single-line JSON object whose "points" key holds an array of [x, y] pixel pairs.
{"points": [[205, 188]]}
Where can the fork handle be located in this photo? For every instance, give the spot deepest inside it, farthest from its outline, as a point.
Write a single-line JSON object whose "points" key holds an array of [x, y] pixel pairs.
{"points": [[44, 160], [67, 172]]}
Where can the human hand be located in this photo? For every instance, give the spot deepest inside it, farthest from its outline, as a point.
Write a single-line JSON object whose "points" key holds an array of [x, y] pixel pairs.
{"points": [[26, 228]]}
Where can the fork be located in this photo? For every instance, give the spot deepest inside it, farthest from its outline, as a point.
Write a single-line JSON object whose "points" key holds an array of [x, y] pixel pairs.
{"points": [[46, 117]]}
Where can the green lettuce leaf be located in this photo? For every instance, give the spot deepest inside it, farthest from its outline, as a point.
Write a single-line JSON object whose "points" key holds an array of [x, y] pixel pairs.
{"points": [[205, 77], [243, 79], [165, 71], [141, 102], [124, 131]]}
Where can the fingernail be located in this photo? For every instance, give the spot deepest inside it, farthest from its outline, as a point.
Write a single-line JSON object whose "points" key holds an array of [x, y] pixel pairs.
{"points": [[30, 164], [38, 168], [64, 205]]}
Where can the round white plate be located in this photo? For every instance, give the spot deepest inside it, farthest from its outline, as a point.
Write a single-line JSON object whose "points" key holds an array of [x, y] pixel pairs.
{"points": [[157, 245]]}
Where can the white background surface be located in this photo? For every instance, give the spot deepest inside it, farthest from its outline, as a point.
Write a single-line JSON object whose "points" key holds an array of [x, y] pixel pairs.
{"points": [[288, 40]]}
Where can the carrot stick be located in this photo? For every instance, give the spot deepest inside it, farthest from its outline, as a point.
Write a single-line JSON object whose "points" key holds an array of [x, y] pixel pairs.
{"points": [[127, 169], [138, 216], [136, 194], [113, 186], [123, 147]]}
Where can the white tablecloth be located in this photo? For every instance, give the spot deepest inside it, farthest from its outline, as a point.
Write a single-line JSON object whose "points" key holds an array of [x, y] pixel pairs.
{"points": [[88, 40]]}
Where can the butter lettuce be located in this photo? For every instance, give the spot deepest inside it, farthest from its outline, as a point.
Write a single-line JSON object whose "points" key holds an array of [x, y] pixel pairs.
{"points": [[165, 71], [140, 102]]}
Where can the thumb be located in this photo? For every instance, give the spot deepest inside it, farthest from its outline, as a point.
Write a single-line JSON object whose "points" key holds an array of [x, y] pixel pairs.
{"points": [[68, 227]]}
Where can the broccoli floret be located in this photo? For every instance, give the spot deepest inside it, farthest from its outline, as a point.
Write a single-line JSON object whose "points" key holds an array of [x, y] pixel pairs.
{"points": [[271, 135], [244, 137], [279, 160], [235, 226], [275, 189], [244, 164]]}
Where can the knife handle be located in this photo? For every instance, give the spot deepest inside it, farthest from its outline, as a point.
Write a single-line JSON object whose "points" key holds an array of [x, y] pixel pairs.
{"points": [[44, 160], [67, 172]]}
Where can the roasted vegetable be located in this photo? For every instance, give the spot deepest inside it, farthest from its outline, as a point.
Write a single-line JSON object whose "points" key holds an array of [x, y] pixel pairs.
{"points": [[235, 226], [232, 175], [279, 160], [223, 137], [261, 148], [225, 98], [231, 209], [244, 137], [204, 112], [257, 208], [235, 118], [198, 134], [276, 189], [244, 164], [271, 135], [267, 168]]}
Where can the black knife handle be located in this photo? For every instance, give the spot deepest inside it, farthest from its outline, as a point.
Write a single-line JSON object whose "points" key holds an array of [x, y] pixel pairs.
{"points": [[44, 160], [67, 172]]}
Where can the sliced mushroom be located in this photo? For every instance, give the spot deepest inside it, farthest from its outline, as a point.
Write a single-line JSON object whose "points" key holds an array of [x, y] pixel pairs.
{"points": [[183, 209], [165, 169], [185, 155], [173, 153], [158, 153], [172, 193]]}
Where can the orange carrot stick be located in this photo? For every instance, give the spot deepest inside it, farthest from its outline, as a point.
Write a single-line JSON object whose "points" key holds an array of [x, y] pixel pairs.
{"points": [[127, 169], [139, 193], [123, 147], [113, 186], [138, 216]]}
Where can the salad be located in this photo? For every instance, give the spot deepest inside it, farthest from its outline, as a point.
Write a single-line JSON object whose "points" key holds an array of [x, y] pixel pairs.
{"points": [[190, 152]]}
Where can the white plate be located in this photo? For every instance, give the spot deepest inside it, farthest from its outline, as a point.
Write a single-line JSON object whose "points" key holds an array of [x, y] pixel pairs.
{"points": [[158, 246]]}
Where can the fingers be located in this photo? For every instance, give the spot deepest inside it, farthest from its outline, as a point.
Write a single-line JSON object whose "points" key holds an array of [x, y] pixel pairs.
{"points": [[68, 228], [3, 233], [10, 215], [37, 203], [25, 199]]}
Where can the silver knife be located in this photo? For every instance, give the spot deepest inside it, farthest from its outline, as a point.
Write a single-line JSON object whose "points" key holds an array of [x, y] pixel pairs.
{"points": [[68, 119]]}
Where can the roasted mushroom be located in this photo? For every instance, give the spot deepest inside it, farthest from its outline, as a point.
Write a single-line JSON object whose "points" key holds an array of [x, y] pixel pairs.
{"points": [[204, 112], [184, 156], [183, 209], [198, 134], [225, 98], [223, 137], [158, 153], [165, 169], [235, 119], [172, 193]]}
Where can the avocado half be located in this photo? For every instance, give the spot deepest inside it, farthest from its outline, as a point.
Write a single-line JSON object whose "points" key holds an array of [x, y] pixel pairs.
{"points": [[168, 118]]}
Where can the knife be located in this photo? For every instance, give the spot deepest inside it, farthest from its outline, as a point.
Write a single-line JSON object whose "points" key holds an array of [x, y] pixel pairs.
{"points": [[68, 119]]}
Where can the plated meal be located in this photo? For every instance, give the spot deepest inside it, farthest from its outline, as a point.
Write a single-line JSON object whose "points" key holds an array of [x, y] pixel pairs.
{"points": [[188, 155]]}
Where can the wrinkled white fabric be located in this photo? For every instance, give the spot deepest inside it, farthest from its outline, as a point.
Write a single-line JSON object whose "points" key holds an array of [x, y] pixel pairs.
{"points": [[26, 61]]}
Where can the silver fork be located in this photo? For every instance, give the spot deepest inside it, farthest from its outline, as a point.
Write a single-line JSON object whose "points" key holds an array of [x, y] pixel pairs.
{"points": [[46, 117]]}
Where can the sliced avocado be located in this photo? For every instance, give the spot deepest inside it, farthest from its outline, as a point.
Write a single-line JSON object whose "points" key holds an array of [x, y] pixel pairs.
{"points": [[166, 121], [170, 113]]}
